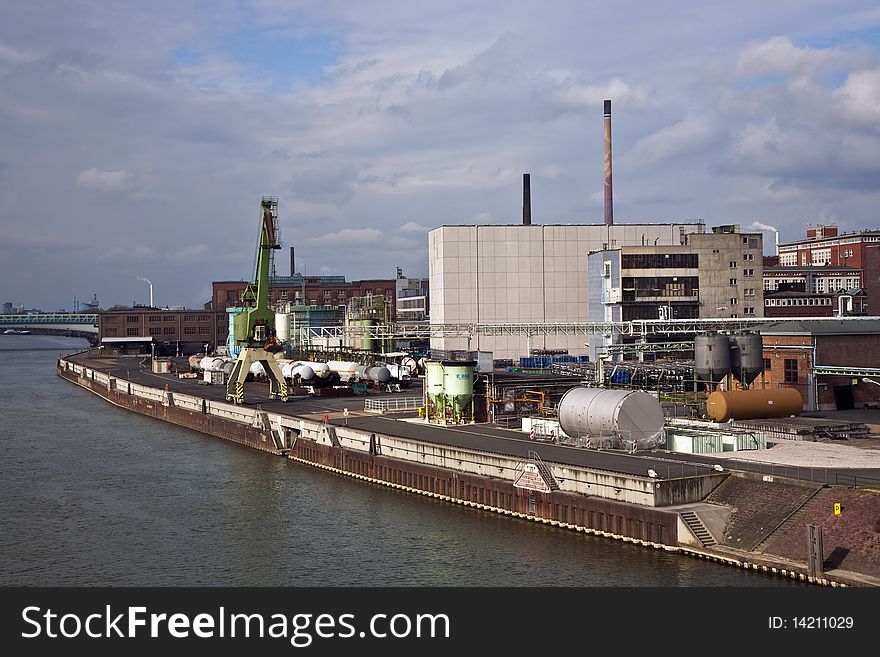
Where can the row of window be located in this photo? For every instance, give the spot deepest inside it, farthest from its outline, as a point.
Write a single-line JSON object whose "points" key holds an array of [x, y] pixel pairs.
{"points": [[160, 330], [136, 319], [660, 261], [823, 301]]}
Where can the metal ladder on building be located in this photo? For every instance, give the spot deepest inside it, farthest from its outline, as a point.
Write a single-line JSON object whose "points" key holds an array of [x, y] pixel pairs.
{"points": [[692, 520], [544, 471]]}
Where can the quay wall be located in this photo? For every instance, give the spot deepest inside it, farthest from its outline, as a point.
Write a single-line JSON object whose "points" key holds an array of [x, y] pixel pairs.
{"points": [[427, 469]]}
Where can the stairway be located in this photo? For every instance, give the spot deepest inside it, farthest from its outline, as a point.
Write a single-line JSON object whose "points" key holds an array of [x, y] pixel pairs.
{"points": [[788, 523], [544, 471], [692, 520]]}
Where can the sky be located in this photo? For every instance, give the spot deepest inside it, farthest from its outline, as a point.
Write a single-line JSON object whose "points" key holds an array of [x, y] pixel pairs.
{"points": [[137, 138]]}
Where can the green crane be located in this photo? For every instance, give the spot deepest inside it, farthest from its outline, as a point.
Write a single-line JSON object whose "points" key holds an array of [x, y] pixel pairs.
{"points": [[254, 327]]}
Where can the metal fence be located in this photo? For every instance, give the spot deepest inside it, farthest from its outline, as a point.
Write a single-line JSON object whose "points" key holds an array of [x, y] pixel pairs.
{"points": [[392, 404]]}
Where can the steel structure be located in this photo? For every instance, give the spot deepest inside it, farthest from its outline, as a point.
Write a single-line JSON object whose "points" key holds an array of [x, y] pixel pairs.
{"points": [[636, 328], [51, 318]]}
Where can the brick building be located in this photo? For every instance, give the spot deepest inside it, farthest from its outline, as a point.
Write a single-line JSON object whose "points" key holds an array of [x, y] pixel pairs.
{"points": [[298, 290], [172, 331], [825, 361]]}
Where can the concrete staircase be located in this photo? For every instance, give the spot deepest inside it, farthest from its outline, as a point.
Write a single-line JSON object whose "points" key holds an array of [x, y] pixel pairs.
{"points": [[692, 520], [788, 523]]}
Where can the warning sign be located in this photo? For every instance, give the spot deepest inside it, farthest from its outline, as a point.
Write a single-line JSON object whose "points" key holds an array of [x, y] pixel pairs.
{"points": [[837, 508], [531, 479]]}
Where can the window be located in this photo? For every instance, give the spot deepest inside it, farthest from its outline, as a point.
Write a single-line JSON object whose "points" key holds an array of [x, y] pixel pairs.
{"points": [[204, 330], [732, 264], [132, 319], [168, 330], [748, 272], [189, 318], [753, 242], [341, 294], [169, 318], [326, 294], [154, 318], [749, 310], [155, 330], [745, 241], [189, 330], [110, 331], [204, 318], [791, 370], [767, 365], [749, 257], [733, 281], [131, 331], [749, 292]]}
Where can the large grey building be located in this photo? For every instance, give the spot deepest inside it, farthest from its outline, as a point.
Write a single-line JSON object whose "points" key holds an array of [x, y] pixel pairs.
{"points": [[518, 274]]}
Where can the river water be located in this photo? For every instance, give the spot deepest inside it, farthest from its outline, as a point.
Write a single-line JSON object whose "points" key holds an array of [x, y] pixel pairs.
{"points": [[96, 495]]}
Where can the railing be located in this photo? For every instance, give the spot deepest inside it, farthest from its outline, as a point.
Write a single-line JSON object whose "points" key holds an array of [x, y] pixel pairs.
{"points": [[854, 481], [393, 404]]}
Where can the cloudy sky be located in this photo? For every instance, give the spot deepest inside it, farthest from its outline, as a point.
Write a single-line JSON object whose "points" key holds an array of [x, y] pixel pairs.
{"points": [[136, 138]]}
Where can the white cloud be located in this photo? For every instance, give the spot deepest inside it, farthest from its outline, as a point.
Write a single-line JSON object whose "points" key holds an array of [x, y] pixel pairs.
{"points": [[577, 96], [690, 135], [413, 228], [349, 237], [859, 98], [105, 181], [779, 56]]}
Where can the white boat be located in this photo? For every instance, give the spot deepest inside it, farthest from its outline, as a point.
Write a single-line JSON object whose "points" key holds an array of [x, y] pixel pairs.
{"points": [[15, 332]]}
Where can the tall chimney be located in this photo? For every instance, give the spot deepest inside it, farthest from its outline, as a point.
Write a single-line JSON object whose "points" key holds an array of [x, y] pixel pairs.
{"points": [[292, 263], [609, 205], [527, 200]]}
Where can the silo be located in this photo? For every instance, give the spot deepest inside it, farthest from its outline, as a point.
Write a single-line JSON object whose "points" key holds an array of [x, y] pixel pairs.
{"points": [[366, 341], [711, 357], [747, 356], [627, 415], [282, 327], [458, 386], [434, 389]]}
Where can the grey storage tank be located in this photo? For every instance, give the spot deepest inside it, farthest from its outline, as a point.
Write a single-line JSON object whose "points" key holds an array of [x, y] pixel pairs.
{"points": [[626, 415], [747, 356], [711, 356]]}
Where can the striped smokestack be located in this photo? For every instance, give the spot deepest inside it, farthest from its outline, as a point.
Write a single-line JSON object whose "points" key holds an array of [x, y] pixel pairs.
{"points": [[527, 200], [609, 204]]}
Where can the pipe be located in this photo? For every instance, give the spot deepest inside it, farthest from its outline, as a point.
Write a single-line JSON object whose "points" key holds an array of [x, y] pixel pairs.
{"points": [[527, 200], [292, 264], [609, 208]]}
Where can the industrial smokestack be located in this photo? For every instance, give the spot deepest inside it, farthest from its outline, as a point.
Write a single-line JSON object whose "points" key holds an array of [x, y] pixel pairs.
{"points": [[609, 204], [292, 263], [527, 200]]}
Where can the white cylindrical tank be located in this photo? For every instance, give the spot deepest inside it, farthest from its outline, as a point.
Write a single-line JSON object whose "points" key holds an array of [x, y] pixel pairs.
{"points": [[305, 372], [205, 363], [378, 374], [257, 369], [399, 372], [194, 362], [320, 370], [282, 326], [344, 368], [287, 369], [629, 415]]}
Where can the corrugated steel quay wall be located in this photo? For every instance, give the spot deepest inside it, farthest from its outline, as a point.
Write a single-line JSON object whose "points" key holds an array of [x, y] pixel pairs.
{"points": [[579, 512]]}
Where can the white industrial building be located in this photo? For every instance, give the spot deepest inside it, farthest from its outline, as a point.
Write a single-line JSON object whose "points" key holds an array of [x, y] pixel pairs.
{"points": [[525, 273]]}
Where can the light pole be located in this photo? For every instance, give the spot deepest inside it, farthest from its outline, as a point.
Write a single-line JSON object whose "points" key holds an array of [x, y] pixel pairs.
{"points": [[867, 380]]}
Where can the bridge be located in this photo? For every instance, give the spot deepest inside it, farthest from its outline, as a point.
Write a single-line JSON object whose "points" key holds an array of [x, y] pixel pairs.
{"points": [[75, 325]]}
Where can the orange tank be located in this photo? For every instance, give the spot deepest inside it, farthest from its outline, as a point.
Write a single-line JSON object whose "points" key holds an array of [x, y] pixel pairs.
{"points": [[724, 405]]}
